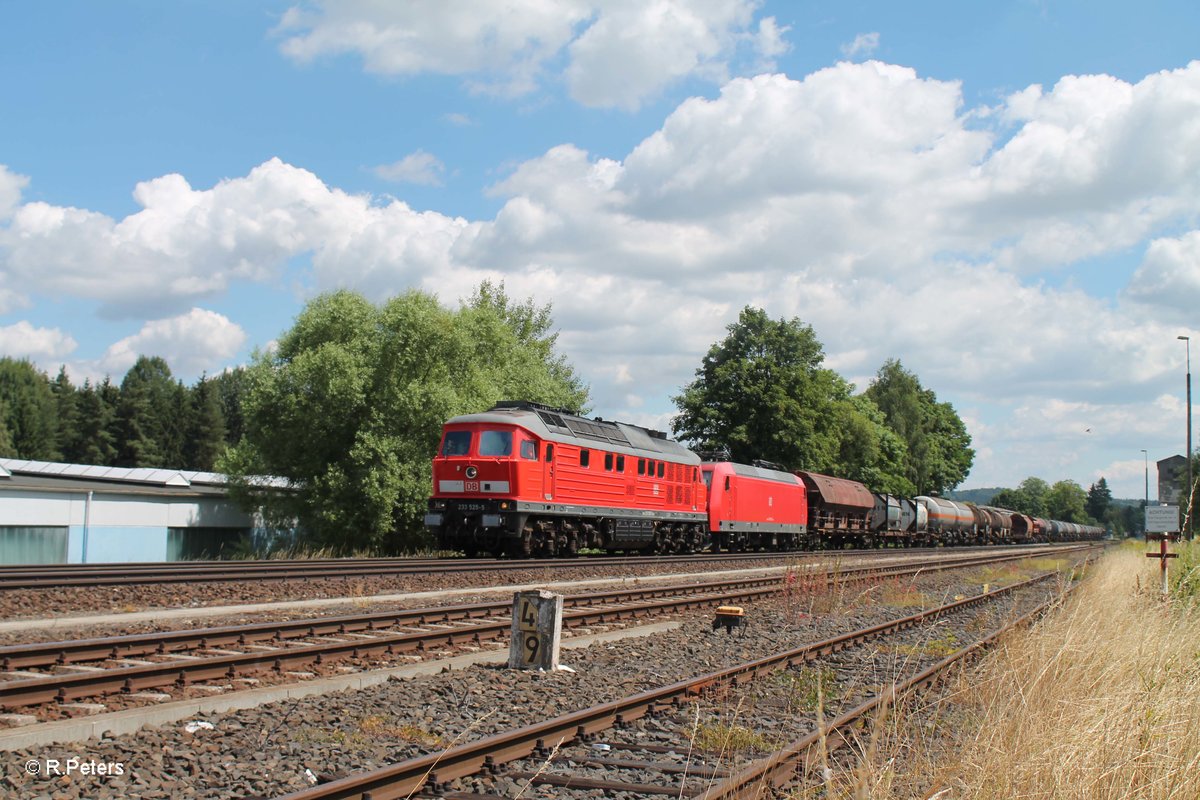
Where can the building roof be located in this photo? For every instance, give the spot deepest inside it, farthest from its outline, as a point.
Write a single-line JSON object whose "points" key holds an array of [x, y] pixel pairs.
{"points": [[27, 474]]}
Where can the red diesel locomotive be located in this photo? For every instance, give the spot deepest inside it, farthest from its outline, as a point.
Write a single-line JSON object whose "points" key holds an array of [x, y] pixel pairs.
{"points": [[524, 479]]}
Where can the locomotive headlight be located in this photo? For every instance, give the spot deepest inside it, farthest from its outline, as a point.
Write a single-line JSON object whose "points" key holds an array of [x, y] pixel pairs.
{"points": [[472, 472], [504, 505]]}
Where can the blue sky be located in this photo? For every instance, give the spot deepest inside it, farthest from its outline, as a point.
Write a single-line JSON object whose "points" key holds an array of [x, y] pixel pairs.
{"points": [[901, 182]]}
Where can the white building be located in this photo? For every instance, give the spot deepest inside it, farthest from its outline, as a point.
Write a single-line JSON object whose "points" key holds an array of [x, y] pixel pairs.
{"points": [[70, 513]]}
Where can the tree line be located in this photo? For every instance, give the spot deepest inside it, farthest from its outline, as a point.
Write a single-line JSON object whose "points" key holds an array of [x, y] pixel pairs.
{"points": [[149, 419], [763, 393], [1067, 501]]}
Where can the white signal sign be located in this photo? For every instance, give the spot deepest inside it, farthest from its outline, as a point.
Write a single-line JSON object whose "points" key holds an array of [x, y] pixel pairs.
{"points": [[1162, 519]]}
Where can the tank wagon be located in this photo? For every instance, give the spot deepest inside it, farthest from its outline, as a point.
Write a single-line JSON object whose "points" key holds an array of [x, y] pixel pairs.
{"points": [[524, 480]]}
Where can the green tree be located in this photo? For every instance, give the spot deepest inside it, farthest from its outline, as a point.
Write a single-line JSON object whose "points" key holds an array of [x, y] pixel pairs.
{"points": [[66, 401], [938, 447], [1067, 502], [153, 416], [95, 443], [349, 408], [231, 387], [1028, 498], [869, 451], [206, 434], [761, 392], [6, 446], [30, 412], [1099, 499]]}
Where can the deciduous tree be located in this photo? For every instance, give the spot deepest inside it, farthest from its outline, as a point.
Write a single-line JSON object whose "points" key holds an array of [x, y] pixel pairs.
{"points": [[349, 407], [761, 393], [938, 447]]}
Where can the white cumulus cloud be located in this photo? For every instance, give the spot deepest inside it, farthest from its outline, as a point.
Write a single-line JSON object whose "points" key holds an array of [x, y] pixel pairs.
{"points": [[1169, 277], [619, 53], [44, 346], [191, 343], [11, 186]]}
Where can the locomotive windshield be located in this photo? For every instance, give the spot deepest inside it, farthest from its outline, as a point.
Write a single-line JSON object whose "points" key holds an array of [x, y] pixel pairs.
{"points": [[456, 443], [495, 443]]}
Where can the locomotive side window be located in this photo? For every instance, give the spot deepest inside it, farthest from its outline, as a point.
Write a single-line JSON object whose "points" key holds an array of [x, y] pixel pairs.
{"points": [[495, 443], [660, 469], [620, 463], [584, 457], [641, 466], [549, 451], [608, 461], [707, 478], [456, 443], [529, 450]]}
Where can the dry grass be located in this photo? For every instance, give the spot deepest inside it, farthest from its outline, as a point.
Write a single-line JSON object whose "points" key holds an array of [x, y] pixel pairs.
{"points": [[1101, 700]]}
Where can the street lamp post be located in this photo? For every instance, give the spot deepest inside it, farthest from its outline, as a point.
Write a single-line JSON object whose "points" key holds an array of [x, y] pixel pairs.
{"points": [[1146, 464], [1188, 522]]}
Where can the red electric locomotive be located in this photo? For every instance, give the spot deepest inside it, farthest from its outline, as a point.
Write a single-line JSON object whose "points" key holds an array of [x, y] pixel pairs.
{"points": [[525, 479], [754, 507]]}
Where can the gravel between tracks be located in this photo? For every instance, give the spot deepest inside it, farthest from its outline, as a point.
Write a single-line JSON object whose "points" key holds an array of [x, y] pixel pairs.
{"points": [[26, 603], [266, 750]]}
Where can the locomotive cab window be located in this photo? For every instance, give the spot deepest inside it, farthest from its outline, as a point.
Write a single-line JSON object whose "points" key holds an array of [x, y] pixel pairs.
{"points": [[456, 443], [495, 443], [608, 461], [529, 450], [549, 451], [707, 478], [584, 457]]}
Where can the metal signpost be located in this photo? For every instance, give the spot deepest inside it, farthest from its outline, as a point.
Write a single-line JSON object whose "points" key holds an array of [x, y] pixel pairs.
{"points": [[1162, 523], [536, 630]]}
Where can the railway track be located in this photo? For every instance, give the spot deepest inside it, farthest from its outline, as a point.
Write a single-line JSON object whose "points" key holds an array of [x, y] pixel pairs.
{"points": [[181, 658], [650, 736], [25, 577]]}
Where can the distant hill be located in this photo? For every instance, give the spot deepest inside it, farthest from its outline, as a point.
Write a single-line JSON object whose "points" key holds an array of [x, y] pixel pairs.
{"points": [[978, 496]]}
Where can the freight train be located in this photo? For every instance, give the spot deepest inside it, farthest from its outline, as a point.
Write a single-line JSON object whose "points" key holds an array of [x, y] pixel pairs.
{"points": [[523, 479]]}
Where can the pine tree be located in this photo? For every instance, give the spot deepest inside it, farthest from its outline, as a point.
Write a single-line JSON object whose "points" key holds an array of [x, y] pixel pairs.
{"points": [[1099, 498], [206, 435], [66, 400], [95, 443]]}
